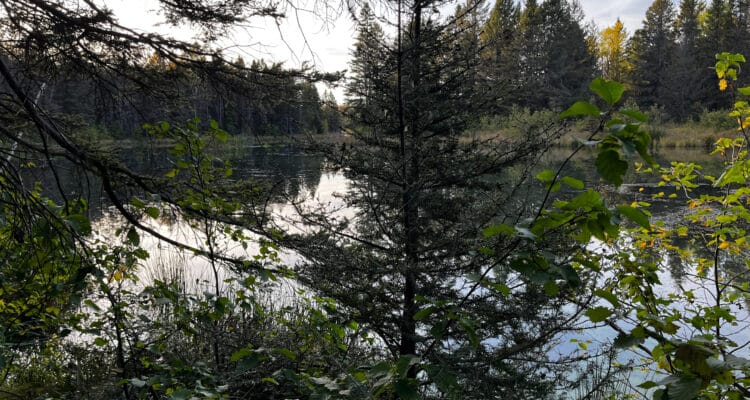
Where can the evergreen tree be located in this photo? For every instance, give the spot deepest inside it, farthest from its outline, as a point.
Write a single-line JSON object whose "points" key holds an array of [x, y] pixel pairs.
{"points": [[568, 64], [367, 66], [500, 56], [716, 26], [530, 42], [331, 113], [403, 265], [651, 52], [555, 62], [688, 76]]}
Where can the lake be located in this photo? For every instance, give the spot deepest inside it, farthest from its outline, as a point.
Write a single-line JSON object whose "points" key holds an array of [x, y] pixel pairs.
{"points": [[303, 175]]}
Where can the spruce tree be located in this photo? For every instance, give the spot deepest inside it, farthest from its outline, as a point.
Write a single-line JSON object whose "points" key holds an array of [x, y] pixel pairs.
{"points": [[555, 62], [500, 55], [568, 63], [688, 76], [368, 65], [715, 28], [651, 52], [410, 264]]}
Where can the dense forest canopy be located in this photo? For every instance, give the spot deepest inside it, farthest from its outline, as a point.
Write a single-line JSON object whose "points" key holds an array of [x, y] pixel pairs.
{"points": [[454, 263]]}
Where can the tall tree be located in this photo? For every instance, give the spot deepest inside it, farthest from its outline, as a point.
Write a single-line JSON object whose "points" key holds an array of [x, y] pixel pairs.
{"points": [[568, 63], [687, 76], [367, 66], [651, 52], [716, 26], [530, 42], [555, 62], [611, 47], [405, 265], [500, 56]]}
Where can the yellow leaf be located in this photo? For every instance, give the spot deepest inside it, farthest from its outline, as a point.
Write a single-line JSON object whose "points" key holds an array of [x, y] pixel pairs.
{"points": [[117, 276], [722, 84], [724, 245]]}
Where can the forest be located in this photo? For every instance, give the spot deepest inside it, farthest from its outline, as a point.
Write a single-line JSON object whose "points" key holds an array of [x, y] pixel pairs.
{"points": [[438, 254]]}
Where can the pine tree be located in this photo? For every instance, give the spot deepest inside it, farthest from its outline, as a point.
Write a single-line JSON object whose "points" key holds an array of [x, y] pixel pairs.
{"points": [[555, 62], [715, 37], [568, 64], [530, 42], [651, 52], [500, 56], [368, 66], [688, 76]]}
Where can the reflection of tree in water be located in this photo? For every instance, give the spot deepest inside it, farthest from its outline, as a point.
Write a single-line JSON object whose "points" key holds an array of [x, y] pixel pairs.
{"points": [[291, 171], [287, 167]]}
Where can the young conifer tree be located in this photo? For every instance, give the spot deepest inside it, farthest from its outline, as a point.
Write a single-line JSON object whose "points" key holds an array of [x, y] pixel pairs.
{"points": [[411, 265]]}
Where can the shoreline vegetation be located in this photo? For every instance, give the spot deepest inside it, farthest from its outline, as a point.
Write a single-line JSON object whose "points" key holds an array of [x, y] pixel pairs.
{"points": [[701, 134]]}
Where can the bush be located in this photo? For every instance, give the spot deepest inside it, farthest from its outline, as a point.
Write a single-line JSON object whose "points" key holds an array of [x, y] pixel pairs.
{"points": [[717, 120]]}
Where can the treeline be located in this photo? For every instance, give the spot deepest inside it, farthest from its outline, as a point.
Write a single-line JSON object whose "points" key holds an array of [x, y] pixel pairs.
{"points": [[542, 55], [255, 99]]}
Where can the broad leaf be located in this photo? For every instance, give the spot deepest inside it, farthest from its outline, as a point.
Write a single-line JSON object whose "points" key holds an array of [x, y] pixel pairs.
{"points": [[686, 389], [580, 108], [635, 215], [609, 91], [611, 167], [598, 314], [636, 115], [573, 182]]}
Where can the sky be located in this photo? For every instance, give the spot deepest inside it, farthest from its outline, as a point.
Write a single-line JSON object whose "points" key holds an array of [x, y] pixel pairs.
{"points": [[327, 46]]}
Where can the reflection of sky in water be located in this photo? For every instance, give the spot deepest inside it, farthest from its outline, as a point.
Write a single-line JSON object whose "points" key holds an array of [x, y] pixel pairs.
{"points": [[322, 190]]}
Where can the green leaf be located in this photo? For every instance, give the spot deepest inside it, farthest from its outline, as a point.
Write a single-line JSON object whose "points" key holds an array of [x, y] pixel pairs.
{"points": [[545, 176], [609, 91], [80, 224], [133, 237], [580, 108], [598, 314], [380, 369], [404, 364], [551, 288], [101, 342], [609, 296], [636, 115], [444, 379], [286, 353], [648, 385], [573, 182], [686, 389], [744, 90], [240, 354], [611, 167], [424, 313], [152, 212], [181, 394], [624, 340], [248, 362], [137, 382], [635, 215], [495, 230], [221, 135], [406, 389]]}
